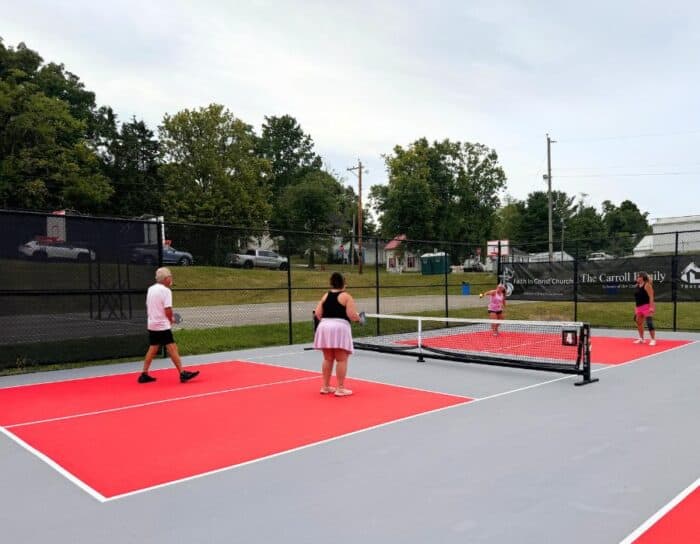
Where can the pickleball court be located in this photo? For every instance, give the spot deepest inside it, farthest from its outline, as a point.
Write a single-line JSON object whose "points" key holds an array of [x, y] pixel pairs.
{"points": [[433, 451]]}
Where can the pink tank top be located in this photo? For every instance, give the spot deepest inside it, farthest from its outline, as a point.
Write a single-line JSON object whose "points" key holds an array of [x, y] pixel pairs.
{"points": [[496, 302]]}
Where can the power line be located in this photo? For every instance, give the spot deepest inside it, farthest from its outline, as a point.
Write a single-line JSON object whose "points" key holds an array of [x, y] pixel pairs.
{"points": [[654, 165], [630, 136], [641, 174]]}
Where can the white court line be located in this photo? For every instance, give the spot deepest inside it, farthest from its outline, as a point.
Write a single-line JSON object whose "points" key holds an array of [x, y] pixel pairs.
{"points": [[644, 527], [370, 381], [156, 402], [58, 468], [103, 499], [407, 418], [300, 448], [609, 366], [124, 372]]}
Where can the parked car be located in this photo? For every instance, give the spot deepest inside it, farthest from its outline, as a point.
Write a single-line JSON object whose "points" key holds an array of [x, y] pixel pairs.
{"points": [[149, 255], [263, 258], [600, 256], [45, 249], [472, 265]]}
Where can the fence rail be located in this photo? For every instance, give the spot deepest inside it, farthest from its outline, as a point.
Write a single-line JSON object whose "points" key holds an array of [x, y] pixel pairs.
{"points": [[73, 288]]}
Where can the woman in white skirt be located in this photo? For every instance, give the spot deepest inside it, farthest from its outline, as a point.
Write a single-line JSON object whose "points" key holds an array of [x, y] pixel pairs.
{"points": [[333, 335]]}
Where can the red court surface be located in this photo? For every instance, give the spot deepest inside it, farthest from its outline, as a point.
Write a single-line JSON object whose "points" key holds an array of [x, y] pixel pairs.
{"points": [[605, 350], [681, 524], [507, 342], [118, 437]]}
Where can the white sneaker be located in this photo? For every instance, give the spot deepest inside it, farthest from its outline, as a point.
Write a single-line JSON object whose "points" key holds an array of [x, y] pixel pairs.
{"points": [[652, 343], [639, 341]]}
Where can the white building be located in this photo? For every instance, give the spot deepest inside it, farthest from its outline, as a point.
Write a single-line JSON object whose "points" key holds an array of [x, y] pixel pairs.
{"points": [[398, 258], [663, 239], [557, 256]]}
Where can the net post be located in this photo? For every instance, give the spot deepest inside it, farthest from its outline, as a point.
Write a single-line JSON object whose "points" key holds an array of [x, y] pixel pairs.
{"points": [[420, 341], [586, 369]]}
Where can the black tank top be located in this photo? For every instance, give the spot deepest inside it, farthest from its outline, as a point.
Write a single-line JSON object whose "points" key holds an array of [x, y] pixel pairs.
{"points": [[641, 297], [333, 308]]}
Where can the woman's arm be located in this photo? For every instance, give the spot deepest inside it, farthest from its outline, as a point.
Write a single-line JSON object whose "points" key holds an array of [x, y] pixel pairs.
{"points": [[350, 307], [319, 307], [650, 291]]}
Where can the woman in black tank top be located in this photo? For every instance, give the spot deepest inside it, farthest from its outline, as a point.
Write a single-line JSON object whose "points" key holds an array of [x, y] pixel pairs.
{"points": [[333, 334], [644, 308]]}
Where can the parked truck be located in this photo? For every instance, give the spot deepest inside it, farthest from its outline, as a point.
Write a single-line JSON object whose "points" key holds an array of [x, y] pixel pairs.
{"points": [[263, 258]]}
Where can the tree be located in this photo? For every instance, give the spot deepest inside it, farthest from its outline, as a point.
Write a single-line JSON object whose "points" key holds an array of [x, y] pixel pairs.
{"points": [[315, 205], [132, 163], [289, 151], [55, 82], [212, 173], [440, 191], [534, 228], [509, 220], [46, 160], [625, 226], [585, 230]]}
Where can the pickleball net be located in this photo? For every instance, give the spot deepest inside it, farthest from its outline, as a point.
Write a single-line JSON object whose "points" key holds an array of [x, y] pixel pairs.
{"points": [[556, 346]]}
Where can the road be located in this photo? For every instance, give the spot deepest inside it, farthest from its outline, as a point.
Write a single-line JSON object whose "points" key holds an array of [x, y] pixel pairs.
{"points": [[277, 312]]}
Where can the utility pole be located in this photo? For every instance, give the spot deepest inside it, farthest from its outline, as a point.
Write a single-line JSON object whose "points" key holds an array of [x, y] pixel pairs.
{"points": [[359, 213], [549, 195], [562, 239]]}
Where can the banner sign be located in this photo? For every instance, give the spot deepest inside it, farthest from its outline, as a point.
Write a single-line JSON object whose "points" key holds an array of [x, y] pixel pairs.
{"points": [[611, 280]]}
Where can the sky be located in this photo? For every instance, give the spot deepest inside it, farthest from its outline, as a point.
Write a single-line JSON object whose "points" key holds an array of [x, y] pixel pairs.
{"points": [[616, 85]]}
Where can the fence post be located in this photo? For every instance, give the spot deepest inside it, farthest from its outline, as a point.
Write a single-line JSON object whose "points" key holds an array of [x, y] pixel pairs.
{"points": [[447, 296], [674, 283], [498, 265], [160, 227], [289, 291], [576, 281], [376, 278]]}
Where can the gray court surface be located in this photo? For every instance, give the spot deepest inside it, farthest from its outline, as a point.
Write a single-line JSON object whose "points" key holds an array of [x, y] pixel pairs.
{"points": [[533, 460]]}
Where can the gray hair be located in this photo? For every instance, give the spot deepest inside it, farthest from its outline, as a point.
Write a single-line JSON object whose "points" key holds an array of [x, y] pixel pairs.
{"points": [[162, 274]]}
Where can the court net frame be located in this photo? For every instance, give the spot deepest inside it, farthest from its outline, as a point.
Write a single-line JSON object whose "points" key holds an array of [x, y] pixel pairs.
{"points": [[401, 343]]}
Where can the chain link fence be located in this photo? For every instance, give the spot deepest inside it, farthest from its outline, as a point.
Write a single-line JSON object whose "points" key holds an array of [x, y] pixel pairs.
{"points": [[73, 288]]}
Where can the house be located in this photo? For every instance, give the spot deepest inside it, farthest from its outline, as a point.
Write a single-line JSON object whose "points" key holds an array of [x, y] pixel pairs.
{"points": [[663, 237], [399, 258], [346, 251]]}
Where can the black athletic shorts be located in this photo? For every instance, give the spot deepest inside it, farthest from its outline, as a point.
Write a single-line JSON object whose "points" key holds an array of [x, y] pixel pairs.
{"points": [[160, 338]]}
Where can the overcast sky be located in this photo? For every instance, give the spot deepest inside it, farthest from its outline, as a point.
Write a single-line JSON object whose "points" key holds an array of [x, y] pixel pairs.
{"points": [[615, 83]]}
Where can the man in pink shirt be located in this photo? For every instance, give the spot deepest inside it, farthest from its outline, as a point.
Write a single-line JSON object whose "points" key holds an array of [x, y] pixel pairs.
{"points": [[159, 305]]}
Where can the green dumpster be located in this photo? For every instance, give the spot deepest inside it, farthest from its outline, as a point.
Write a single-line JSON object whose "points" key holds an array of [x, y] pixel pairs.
{"points": [[426, 264], [441, 263], [434, 263]]}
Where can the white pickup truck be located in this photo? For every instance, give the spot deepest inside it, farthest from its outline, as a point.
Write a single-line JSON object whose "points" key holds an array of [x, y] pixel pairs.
{"points": [[263, 258]]}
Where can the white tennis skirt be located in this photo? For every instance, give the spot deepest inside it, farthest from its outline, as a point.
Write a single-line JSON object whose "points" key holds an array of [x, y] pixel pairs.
{"points": [[333, 333]]}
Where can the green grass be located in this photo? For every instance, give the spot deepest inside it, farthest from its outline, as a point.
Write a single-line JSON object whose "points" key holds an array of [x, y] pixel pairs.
{"points": [[213, 286]]}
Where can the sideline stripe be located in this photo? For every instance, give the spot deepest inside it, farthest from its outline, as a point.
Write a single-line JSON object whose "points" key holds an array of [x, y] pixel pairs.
{"points": [[661, 513], [58, 468], [155, 402], [608, 366]]}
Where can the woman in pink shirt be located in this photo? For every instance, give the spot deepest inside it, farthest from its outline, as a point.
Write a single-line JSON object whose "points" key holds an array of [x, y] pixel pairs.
{"points": [[497, 305]]}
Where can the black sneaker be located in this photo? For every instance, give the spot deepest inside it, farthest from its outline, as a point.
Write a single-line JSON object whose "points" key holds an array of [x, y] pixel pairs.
{"points": [[186, 375], [145, 378]]}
